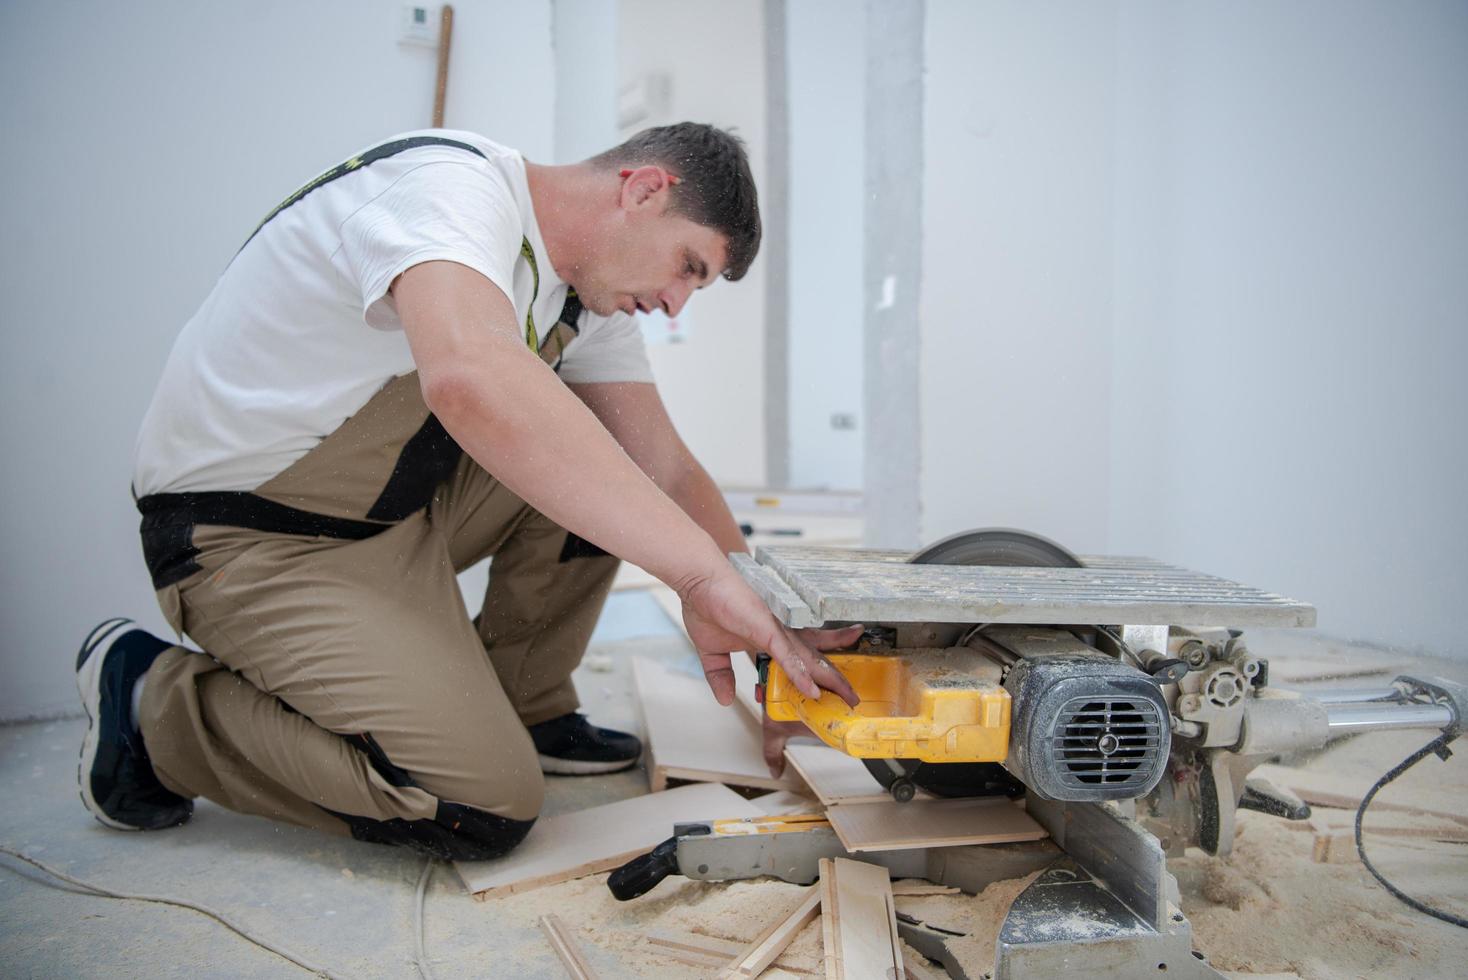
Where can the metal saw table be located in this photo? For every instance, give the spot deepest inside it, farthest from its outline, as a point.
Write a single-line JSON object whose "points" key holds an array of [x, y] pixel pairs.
{"points": [[811, 586]]}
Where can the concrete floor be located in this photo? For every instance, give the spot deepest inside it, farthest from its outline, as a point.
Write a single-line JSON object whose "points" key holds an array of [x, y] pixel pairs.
{"points": [[344, 905]]}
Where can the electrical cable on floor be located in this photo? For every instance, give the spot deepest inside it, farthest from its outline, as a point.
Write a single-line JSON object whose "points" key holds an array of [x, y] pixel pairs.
{"points": [[219, 917], [1438, 747], [420, 959]]}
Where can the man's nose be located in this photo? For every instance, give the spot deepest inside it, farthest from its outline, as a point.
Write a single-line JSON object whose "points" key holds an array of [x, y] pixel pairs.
{"points": [[673, 298]]}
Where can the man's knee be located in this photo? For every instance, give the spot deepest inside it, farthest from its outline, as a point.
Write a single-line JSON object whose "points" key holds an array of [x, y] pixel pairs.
{"points": [[485, 803], [456, 832]]}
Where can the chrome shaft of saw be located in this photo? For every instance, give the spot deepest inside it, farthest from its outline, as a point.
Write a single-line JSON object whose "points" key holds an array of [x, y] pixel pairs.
{"points": [[1411, 702], [1374, 716]]}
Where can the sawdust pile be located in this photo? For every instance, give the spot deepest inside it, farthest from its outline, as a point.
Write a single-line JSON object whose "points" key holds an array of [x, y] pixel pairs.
{"points": [[1268, 908], [979, 917]]}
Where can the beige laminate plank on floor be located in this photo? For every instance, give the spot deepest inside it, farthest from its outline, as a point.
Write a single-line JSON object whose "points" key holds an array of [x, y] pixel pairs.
{"points": [[893, 826], [691, 736], [573, 845], [858, 921]]}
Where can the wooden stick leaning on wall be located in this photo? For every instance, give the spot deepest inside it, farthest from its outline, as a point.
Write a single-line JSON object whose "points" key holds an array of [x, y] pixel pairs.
{"points": [[441, 86]]}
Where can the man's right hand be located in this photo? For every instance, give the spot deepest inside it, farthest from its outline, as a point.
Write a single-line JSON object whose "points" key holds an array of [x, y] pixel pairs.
{"points": [[723, 615]]}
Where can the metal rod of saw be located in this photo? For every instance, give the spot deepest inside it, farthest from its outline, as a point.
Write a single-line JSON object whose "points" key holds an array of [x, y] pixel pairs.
{"points": [[1371, 717]]}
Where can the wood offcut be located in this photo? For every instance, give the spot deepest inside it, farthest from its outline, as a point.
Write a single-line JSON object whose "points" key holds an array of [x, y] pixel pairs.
{"points": [[858, 921], [566, 948]]}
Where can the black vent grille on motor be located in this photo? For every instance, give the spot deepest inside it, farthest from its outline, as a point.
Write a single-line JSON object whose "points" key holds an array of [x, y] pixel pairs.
{"points": [[1107, 742]]}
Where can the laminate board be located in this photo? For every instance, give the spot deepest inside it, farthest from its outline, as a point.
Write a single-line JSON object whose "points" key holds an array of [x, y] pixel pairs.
{"points": [[601, 838], [893, 826], [858, 921]]}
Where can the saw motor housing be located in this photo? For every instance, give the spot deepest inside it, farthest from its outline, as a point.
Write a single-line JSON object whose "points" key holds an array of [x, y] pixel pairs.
{"points": [[1068, 720]]}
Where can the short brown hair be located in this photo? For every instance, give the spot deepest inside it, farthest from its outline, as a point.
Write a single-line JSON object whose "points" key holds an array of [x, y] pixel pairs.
{"points": [[715, 187]]}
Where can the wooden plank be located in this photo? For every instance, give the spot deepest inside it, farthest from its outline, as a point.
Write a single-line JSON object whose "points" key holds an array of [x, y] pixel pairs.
{"points": [[784, 801], [858, 921], [1336, 844], [1328, 790], [574, 845], [704, 960], [768, 945], [691, 736], [564, 944], [893, 826], [710, 946]]}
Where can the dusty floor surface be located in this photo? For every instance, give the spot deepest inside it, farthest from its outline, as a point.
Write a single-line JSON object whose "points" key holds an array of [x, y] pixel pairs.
{"points": [[1268, 909]]}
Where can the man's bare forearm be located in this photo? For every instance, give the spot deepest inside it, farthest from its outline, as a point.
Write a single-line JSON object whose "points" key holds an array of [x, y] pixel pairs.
{"points": [[513, 416], [561, 461]]}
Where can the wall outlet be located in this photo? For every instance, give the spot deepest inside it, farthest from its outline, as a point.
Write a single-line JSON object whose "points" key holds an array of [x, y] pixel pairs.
{"points": [[418, 25], [843, 421]]}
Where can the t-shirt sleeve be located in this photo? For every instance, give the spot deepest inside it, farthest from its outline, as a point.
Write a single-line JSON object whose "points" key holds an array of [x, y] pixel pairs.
{"points": [[609, 348], [454, 211]]}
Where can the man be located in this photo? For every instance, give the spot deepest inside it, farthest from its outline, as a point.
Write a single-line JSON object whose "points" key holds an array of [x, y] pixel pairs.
{"points": [[424, 357]]}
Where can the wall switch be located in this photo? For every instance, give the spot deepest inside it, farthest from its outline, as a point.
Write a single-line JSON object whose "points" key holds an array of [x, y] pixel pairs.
{"points": [[843, 421], [419, 25]]}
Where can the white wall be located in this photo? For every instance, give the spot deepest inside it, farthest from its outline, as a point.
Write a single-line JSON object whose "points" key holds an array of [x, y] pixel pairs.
{"points": [[584, 34], [1016, 304], [713, 383], [1195, 287], [142, 142], [1297, 304], [825, 64]]}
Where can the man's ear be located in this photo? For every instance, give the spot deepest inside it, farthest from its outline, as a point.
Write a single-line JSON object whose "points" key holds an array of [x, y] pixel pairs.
{"points": [[643, 186]]}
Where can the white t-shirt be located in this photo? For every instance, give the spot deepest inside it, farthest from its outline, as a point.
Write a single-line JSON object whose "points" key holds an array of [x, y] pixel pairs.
{"points": [[300, 330]]}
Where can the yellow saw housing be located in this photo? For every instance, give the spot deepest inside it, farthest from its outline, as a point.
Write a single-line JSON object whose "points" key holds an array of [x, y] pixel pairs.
{"points": [[934, 705]]}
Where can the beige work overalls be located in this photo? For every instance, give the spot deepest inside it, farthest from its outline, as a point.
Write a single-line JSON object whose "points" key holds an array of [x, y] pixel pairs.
{"points": [[343, 685]]}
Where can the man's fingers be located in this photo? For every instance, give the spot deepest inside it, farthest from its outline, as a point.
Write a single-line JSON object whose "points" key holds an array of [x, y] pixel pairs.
{"points": [[809, 671], [720, 675], [775, 756], [834, 681]]}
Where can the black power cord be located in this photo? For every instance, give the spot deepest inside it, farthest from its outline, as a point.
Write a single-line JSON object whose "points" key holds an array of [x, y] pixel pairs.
{"points": [[1438, 747]]}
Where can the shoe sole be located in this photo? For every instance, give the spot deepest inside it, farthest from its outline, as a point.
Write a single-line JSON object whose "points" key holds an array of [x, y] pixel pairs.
{"points": [[579, 767], [89, 686]]}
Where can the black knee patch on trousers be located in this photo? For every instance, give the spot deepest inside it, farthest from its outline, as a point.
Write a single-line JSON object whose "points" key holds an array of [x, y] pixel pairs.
{"points": [[456, 832]]}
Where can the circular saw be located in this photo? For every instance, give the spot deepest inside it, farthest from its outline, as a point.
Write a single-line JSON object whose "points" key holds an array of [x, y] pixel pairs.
{"points": [[988, 546]]}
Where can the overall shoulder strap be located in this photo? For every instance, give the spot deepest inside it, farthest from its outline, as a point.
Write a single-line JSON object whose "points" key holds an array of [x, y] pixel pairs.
{"points": [[357, 163]]}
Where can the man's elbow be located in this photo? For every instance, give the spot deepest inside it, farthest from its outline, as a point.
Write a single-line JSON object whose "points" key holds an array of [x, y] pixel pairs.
{"points": [[454, 396]]}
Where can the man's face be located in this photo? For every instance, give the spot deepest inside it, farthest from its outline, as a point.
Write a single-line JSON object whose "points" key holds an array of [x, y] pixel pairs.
{"points": [[647, 258]]}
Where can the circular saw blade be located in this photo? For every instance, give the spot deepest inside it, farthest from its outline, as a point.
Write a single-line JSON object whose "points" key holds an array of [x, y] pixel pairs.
{"points": [[997, 546], [1005, 546]]}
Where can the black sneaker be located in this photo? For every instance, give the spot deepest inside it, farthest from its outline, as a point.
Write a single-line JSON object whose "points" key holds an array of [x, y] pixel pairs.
{"points": [[116, 778], [572, 746]]}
